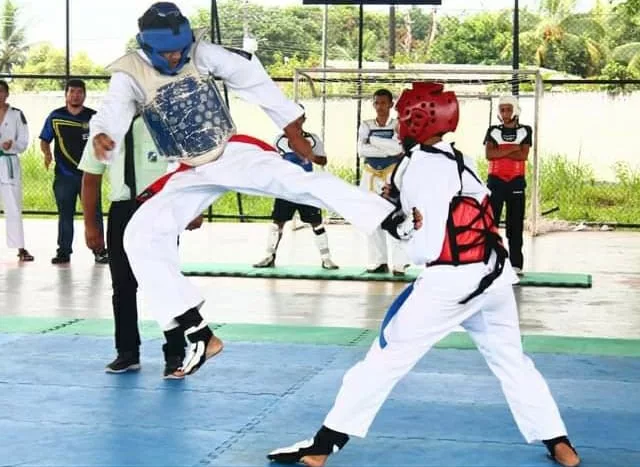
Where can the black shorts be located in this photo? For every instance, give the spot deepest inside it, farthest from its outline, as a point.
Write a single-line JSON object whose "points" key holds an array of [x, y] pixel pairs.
{"points": [[284, 210]]}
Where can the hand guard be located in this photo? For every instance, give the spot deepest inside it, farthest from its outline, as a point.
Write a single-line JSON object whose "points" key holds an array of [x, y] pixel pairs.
{"points": [[399, 225]]}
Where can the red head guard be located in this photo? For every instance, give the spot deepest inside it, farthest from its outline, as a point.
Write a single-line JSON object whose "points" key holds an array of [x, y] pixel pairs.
{"points": [[425, 111]]}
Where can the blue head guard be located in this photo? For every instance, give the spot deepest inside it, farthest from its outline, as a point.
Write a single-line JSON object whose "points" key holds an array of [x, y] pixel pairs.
{"points": [[163, 29]]}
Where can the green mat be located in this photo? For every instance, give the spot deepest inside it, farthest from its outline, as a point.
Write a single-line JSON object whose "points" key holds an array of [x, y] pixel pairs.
{"points": [[536, 279], [318, 335]]}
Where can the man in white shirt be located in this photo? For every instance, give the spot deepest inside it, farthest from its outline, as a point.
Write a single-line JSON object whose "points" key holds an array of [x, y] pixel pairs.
{"points": [[14, 139], [170, 81], [380, 150], [446, 220]]}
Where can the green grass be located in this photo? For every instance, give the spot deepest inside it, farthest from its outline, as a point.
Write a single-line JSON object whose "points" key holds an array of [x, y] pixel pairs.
{"points": [[37, 183], [566, 184]]}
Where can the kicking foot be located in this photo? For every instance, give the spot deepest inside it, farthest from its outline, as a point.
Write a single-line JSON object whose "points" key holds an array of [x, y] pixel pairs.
{"points": [[173, 368], [201, 352]]}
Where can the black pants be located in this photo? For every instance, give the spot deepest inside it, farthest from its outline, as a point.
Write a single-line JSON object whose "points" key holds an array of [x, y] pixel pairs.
{"points": [[511, 193], [125, 286]]}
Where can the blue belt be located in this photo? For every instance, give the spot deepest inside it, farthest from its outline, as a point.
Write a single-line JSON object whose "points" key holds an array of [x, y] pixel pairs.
{"points": [[9, 163], [380, 163]]}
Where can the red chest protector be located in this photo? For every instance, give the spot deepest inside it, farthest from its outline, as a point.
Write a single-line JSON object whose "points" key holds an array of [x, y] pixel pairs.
{"points": [[470, 229], [472, 234]]}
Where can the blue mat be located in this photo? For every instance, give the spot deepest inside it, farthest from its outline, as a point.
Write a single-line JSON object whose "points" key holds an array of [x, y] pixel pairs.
{"points": [[59, 408]]}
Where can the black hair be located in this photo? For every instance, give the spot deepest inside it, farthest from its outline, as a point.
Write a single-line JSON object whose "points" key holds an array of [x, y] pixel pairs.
{"points": [[382, 93], [4, 84], [75, 83]]}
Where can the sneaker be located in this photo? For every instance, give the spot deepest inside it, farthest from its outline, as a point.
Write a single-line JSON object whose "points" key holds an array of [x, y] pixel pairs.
{"points": [[378, 269], [101, 257], [518, 271], [328, 264], [173, 368], [125, 361], [60, 259], [268, 262]]}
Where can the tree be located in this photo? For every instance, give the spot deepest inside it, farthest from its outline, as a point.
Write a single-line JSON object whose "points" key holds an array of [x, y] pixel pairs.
{"points": [[623, 23], [479, 38], [566, 41], [296, 32], [45, 59], [13, 49], [624, 37]]}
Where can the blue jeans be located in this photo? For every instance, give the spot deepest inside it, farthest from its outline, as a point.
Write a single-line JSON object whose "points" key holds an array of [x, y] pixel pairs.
{"points": [[66, 189]]}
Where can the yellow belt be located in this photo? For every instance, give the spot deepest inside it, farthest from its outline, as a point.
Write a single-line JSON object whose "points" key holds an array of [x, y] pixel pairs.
{"points": [[381, 174]]}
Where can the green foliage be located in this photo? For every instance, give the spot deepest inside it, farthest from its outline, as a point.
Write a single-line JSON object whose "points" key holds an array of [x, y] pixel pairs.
{"points": [[554, 37], [573, 188], [479, 38], [38, 183], [13, 47], [46, 59]]}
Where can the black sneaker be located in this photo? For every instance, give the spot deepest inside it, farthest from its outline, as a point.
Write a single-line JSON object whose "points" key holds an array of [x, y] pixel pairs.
{"points": [[324, 443], [101, 257], [125, 361], [60, 259], [379, 269]]}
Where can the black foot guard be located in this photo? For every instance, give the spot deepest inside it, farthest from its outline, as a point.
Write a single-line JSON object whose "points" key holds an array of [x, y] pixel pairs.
{"points": [[551, 446], [325, 442], [198, 334]]}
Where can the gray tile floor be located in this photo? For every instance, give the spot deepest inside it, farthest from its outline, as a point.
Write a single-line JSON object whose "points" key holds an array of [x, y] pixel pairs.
{"points": [[610, 309]]}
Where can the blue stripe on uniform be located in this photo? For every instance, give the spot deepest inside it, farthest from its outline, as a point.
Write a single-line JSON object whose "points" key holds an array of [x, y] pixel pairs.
{"points": [[393, 310]]}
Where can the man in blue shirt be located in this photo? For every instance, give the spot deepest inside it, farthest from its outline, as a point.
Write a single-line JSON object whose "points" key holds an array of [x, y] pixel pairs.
{"points": [[68, 126]]}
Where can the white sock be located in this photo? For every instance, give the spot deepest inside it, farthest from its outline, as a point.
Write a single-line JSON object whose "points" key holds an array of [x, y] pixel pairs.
{"points": [[275, 234], [322, 241]]}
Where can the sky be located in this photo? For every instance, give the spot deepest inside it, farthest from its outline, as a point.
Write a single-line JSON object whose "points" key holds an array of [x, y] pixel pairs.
{"points": [[102, 27]]}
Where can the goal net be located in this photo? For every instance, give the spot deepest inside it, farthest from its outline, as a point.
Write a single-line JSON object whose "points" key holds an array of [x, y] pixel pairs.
{"points": [[336, 101]]}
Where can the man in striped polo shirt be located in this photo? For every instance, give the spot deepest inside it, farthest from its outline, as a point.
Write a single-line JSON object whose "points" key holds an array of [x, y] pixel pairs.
{"points": [[68, 126]]}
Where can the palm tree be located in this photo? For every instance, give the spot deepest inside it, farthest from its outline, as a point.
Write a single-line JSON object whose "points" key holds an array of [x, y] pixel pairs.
{"points": [[567, 41], [624, 23], [13, 49]]}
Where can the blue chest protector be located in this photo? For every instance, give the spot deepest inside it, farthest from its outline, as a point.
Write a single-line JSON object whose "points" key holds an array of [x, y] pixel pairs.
{"points": [[380, 163]]}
